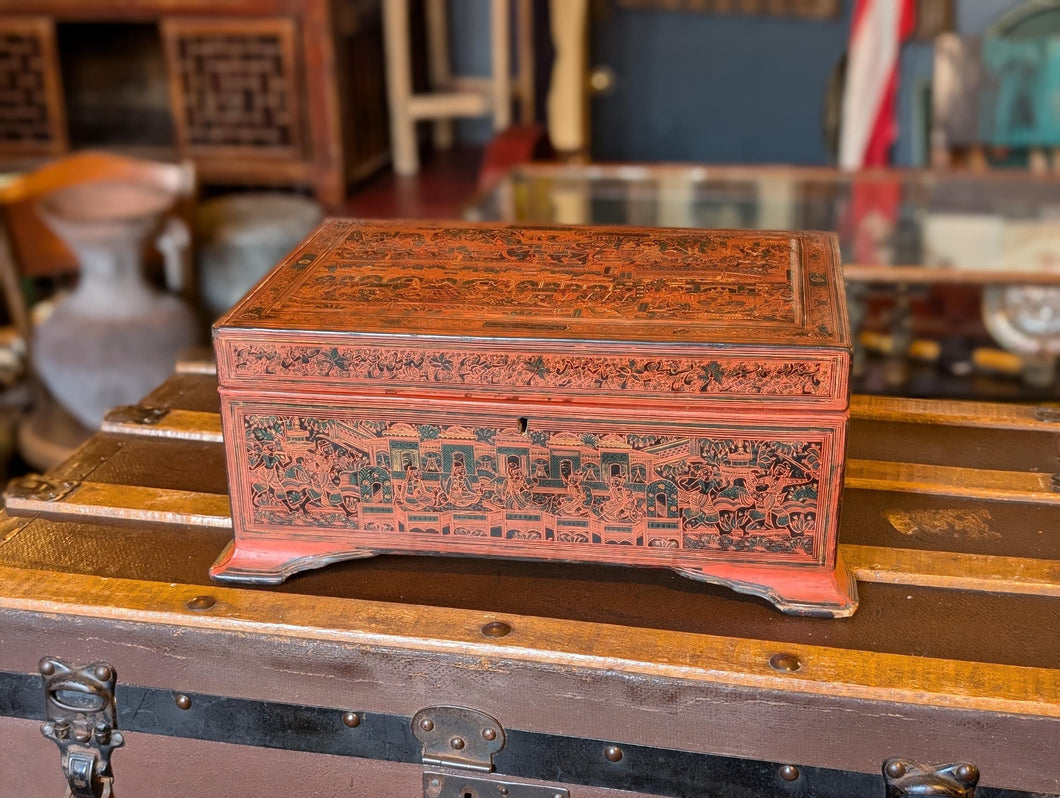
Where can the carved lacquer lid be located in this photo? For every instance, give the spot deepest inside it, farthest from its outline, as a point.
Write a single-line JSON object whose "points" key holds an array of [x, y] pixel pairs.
{"points": [[761, 310]]}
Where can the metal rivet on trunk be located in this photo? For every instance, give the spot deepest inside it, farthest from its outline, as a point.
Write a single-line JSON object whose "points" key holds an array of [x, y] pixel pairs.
{"points": [[183, 701], [200, 603], [895, 769], [457, 743], [784, 662], [496, 629], [612, 753], [789, 772], [351, 719]]}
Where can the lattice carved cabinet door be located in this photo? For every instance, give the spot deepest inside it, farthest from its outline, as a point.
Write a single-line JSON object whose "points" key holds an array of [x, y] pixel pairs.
{"points": [[32, 121], [235, 86]]}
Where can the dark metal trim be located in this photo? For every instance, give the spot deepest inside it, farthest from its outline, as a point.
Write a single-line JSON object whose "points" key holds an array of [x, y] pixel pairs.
{"points": [[459, 785], [137, 415], [541, 757], [458, 737], [908, 779]]}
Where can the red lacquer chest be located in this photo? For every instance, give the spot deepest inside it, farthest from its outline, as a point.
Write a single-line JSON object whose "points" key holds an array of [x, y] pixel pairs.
{"points": [[669, 398]]}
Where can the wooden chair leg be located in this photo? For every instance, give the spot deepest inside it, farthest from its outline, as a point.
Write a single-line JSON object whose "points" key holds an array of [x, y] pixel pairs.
{"points": [[438, 56], [525, 39], [501, 64], [567, 104], [399, 86], [14, 301]]}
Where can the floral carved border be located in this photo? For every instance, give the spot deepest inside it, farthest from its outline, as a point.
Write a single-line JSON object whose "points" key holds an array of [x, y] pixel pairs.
{"points": [[597, 373]]}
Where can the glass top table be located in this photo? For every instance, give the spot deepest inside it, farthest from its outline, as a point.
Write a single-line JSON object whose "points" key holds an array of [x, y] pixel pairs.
{"points": [[983, 227], [997, 231]]}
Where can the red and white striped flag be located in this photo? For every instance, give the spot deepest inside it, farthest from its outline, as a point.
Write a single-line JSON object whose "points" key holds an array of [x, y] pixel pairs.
{"points": [[869, 127]]}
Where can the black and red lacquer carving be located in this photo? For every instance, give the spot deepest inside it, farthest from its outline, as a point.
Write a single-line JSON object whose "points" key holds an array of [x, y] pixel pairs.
{"points": [[664, 397]]}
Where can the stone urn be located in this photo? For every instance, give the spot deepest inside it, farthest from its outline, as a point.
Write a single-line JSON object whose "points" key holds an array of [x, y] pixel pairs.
{"points": [[240, 237], [115, 337]]}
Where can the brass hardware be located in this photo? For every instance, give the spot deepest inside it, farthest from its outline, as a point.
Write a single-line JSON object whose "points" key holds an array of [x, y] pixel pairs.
{"points": [[613, 753], [137, 415], [496, 629], [785, 663], [601, 80], [441, 785], [201, 603], [789, 772], [82, 720], [904, 777], [182, 701], [34, 487], [458, 737], [351, 719]]}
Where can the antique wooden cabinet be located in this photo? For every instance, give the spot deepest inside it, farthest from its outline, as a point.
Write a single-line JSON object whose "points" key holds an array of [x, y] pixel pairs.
{"points": [[664, 397], [255, 92], [590, 681]]}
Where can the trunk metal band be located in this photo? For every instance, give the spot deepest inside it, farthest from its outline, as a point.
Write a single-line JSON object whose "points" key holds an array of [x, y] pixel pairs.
{"points": [[388, 737]]}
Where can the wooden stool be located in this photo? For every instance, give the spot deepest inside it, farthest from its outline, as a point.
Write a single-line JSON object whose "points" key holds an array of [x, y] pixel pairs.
{"points": [[449, 97]]}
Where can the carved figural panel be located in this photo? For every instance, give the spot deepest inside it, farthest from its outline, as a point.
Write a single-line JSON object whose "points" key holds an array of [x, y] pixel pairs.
{"points": [[717, 490], [672, 398]]}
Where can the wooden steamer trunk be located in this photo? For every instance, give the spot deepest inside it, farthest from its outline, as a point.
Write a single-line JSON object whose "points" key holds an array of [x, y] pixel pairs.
{"points": [[599, 682], [659, 398]]}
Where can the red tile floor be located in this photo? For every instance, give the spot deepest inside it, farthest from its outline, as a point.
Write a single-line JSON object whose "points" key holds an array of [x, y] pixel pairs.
{"points": [[445, 184]]}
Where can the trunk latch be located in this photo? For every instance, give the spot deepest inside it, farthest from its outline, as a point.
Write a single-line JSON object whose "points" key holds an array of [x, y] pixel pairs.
{"points": [[82, 719], [458, 737]]}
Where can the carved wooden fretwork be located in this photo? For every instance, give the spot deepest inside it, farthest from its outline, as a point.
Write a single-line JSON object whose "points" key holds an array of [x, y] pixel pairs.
{"points": [[234, 88], [31, 119]]}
